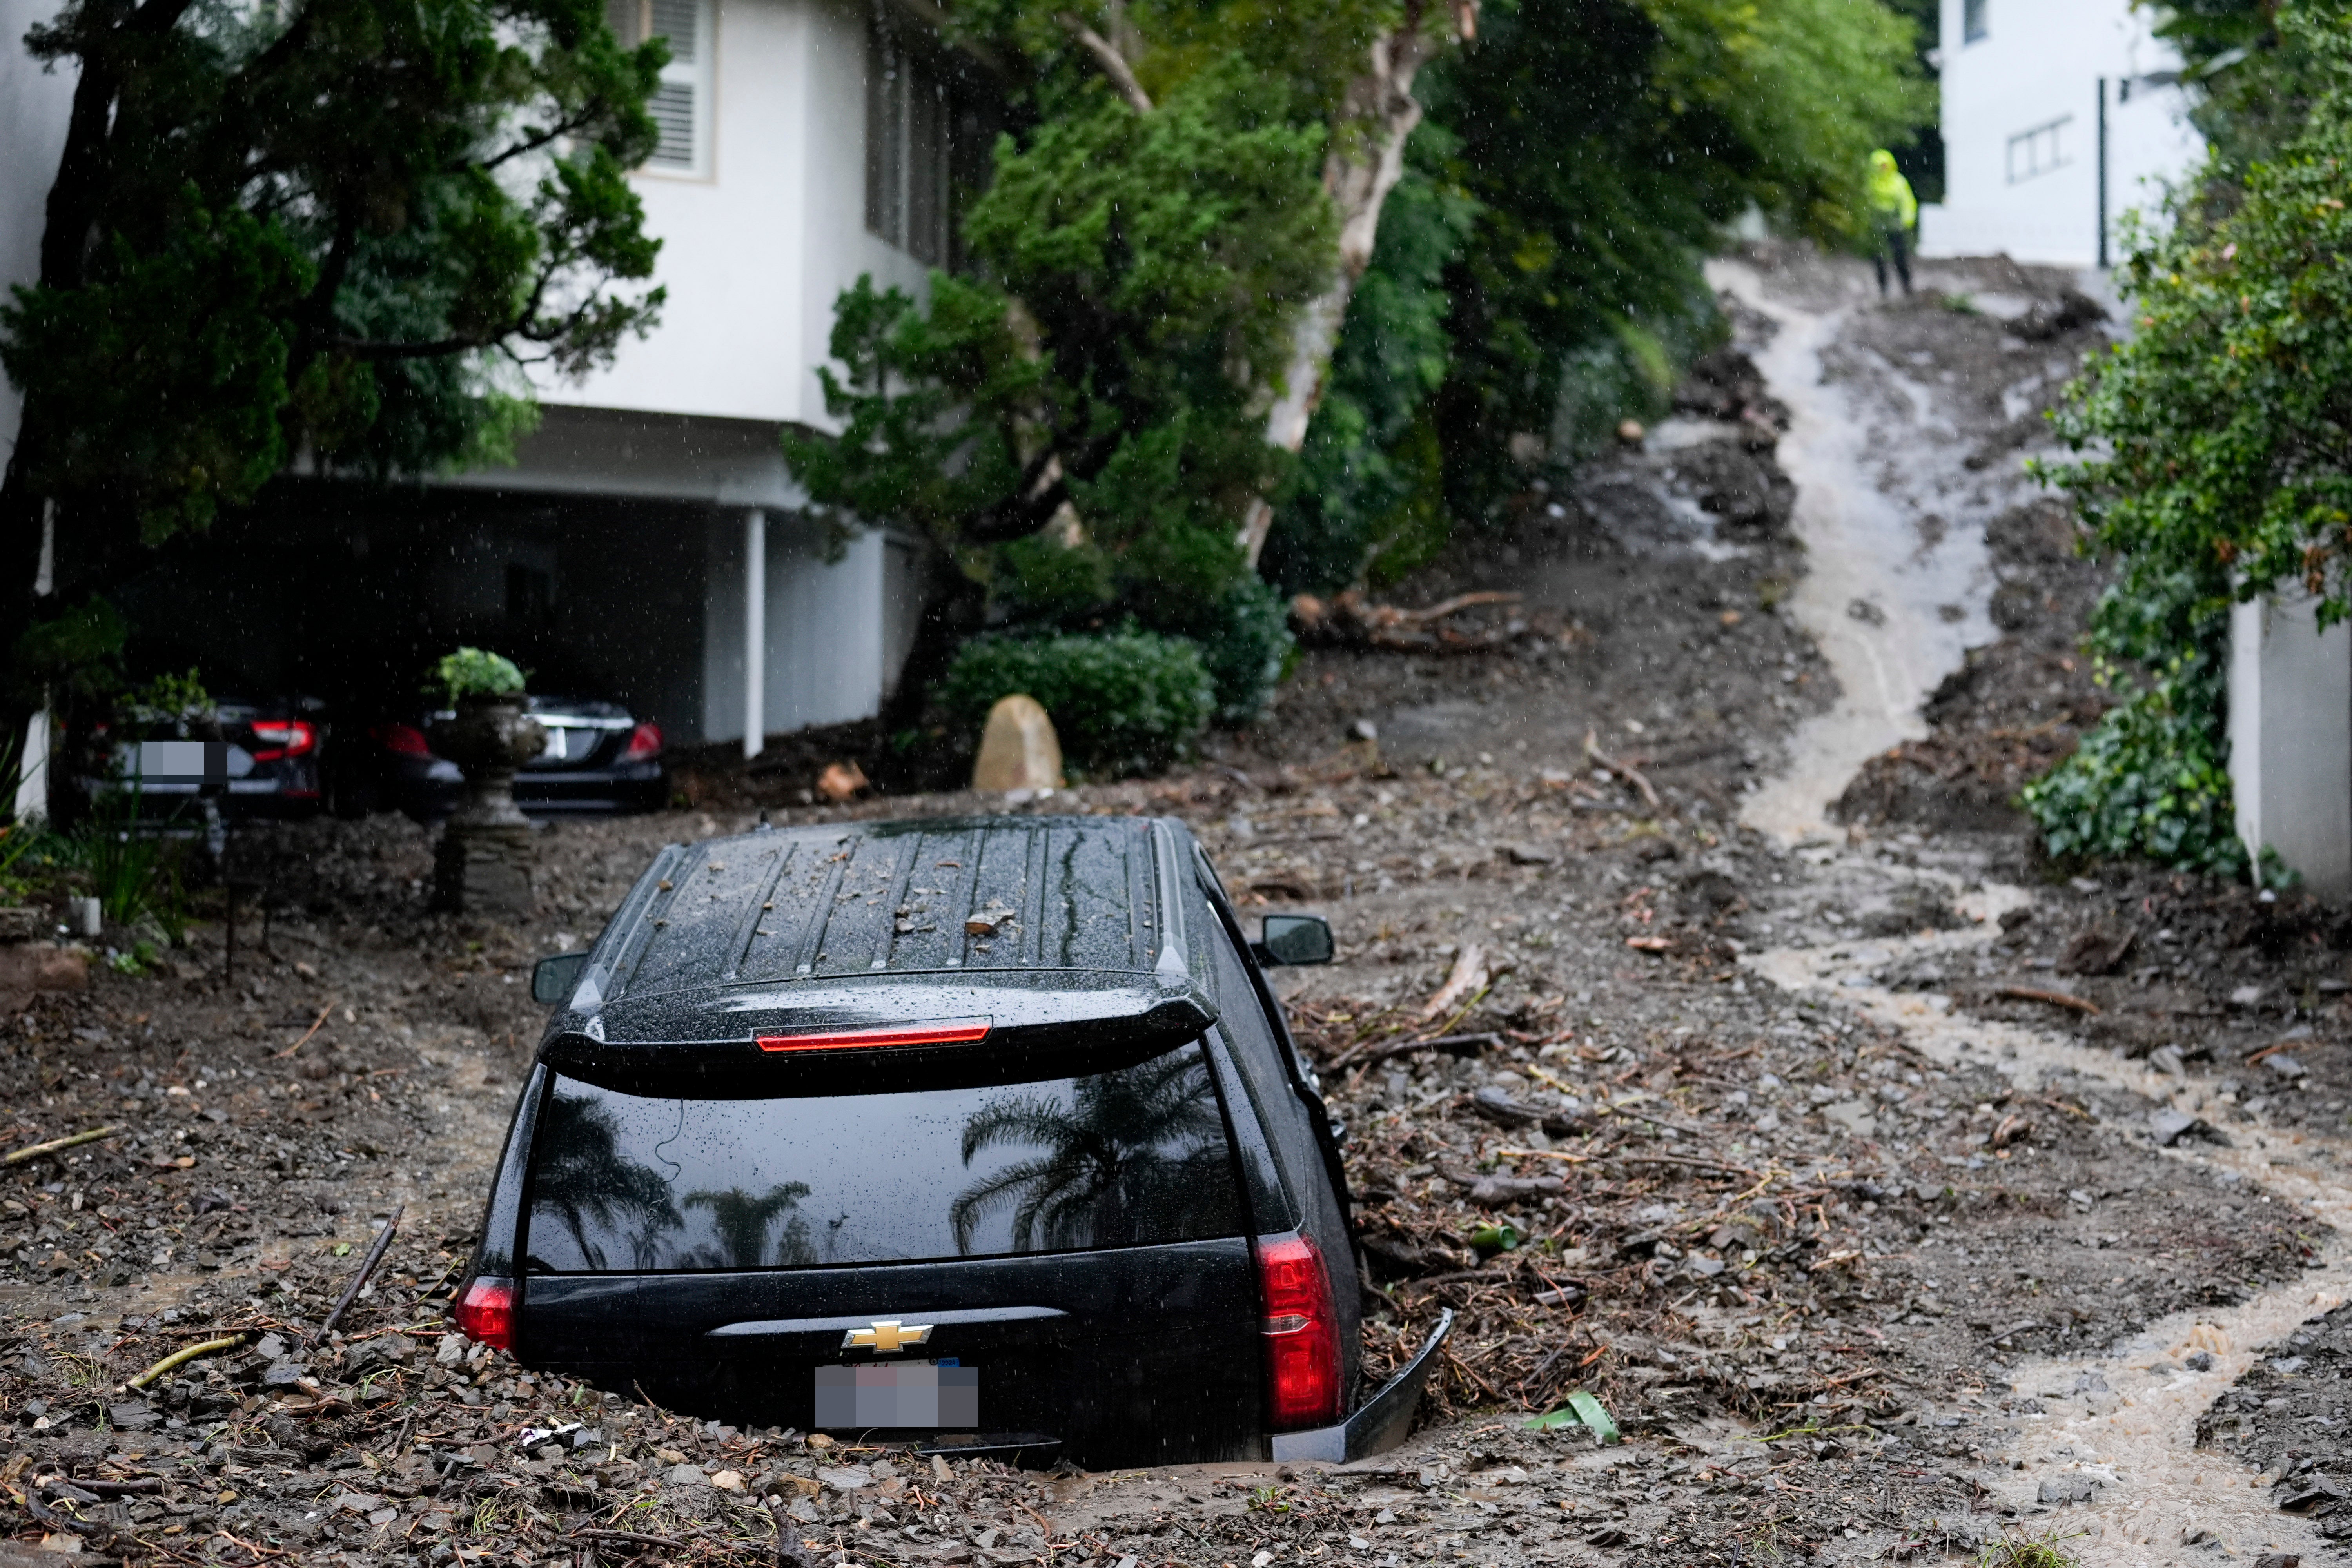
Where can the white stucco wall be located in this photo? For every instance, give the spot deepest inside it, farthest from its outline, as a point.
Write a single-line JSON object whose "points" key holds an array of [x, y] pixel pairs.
{"points": [[754, 255], [2038, 65], [827, 629], [34, 104], [2291, 737]]}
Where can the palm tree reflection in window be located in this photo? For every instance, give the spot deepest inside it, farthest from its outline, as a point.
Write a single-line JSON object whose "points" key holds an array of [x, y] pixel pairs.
{"points": [[1141, 1153], [742, 1222], [583, 1179]]}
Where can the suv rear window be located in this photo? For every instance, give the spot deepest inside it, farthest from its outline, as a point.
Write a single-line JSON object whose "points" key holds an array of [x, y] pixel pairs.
{"points": [[625, 1183]]}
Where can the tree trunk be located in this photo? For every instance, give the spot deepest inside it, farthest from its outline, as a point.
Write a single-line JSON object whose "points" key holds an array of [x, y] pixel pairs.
{"points": [[1376, 117]]}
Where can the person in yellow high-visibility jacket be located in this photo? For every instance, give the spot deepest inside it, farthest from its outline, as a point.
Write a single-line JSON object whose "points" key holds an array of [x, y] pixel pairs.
{"points": [[1893, 210]]}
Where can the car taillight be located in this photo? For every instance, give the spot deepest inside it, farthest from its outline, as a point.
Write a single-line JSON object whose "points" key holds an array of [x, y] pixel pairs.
{"points": [[1302, 1333], [960, 1032], [645, 741], [283, 738], [486, 1313], [404, 740]]}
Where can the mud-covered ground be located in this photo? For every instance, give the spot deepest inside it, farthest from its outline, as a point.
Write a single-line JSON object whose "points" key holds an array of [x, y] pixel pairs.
{"points": [[1813, 1262]]}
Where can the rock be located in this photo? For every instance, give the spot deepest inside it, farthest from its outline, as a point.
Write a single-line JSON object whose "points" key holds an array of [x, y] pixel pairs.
{"points": [[729, 1481], [2310, 1493], [2278, 1560], [842, 782], [2059, 1490], [687, 1476], [1019, 749], [2168, 1127], [1851, 1116], [845, 1478], [1363, 730], [2168, 1059], [2285, 1068], [2197, 1361], [43, 967], [1530, 855], [133, 1415]]}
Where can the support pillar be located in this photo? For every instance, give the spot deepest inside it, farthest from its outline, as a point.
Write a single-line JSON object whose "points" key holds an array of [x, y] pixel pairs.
{"points": [[755, 633]]}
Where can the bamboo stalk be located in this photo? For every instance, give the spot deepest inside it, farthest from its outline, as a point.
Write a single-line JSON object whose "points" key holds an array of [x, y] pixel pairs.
{"points": [[35, 1151]]}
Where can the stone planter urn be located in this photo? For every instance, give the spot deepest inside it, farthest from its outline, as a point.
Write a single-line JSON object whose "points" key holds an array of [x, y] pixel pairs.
{"points": [[483, 863]]}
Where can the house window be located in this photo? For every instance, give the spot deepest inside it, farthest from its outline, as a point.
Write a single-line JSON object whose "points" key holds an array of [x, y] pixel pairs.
{"points": [[681, 103], [1973, 20], [908, 148], [2038, 151]]}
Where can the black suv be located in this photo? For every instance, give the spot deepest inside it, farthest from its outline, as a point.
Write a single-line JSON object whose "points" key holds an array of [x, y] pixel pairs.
{"points": [[986, 1134]]}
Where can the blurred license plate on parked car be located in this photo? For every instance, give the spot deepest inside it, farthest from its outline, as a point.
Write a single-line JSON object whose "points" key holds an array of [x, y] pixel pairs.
{"points": [[912, 1393]]}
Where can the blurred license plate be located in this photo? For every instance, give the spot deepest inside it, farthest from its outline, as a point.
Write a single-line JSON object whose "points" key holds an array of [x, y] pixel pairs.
{"points": [[908, 1394]]}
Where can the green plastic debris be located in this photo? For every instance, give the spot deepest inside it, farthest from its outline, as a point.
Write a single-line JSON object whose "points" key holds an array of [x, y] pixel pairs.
{"points": [[1582, 1409], [1493, 1238]]}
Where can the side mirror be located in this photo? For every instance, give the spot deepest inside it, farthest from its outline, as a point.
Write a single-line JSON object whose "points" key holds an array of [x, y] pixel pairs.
{"points": [[553, 979], [1293, 939]]}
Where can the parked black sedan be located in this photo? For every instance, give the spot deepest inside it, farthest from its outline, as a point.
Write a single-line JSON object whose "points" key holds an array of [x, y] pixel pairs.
{"points": [[982, 1134], [599, 758], [255, 757]]}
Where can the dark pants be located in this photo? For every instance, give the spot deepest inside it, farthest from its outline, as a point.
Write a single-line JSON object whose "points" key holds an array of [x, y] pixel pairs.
{"points": [[1891, 242]]}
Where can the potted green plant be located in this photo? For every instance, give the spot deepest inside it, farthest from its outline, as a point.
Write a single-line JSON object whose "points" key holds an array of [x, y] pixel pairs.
{"points": [[483, 863]]}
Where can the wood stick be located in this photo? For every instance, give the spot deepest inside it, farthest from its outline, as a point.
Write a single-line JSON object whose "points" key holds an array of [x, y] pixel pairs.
{"points": [[190, 1353], [1364, 1055], [1629, 774], [2055, 998], [367, 1267], [1467, 967], [316, 1025], [35, 1151]]}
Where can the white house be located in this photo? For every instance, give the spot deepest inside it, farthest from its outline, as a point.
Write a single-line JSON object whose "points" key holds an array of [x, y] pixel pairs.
{"points": [[649, 545], [2058, 117]]}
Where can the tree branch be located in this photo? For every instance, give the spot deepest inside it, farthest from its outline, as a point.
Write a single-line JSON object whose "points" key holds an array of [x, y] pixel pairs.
{"points": [[1114, 64]]}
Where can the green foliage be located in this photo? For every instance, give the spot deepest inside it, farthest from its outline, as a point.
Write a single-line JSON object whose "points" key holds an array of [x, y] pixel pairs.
{"points": [[332, 226], [1132, 267], [172, 699], [2213, 461], [474, 672], [1541, 259], [73, 657], [134, 871], [1129, 702]]}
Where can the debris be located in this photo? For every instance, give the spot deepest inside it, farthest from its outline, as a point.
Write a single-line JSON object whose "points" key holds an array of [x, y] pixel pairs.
{"points": [[1530, 855], [1622, 769], [360, 1279], [987, 922], [1349, 618], [2098, 950], [2054, 998], [35, 1151], [2070, 1488], [842, 782], [1467, 979], [2168, 1059], [1377, 1051], [2168, 1127], [1582, 1409], [2310, 1491], [1018, 748], [206, 1347]]}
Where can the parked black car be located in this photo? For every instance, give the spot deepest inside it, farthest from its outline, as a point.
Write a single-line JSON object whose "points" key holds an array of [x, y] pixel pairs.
{"points": [[599, 758], [985, 1133], [259, 758]]}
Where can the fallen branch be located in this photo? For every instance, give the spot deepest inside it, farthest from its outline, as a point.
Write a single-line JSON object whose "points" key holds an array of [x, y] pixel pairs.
{"points": [[367, 1267], [1442, 609], [2054, 998], [51, 1520], [1469, 971], [1626, 770], [630, 1537], [316, 1025], [1460, 1044], [204, 1347], [35, 1151]]}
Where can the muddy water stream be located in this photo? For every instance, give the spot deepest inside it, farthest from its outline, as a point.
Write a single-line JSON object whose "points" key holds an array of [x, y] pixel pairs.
{"points": [[1893, 608], [2124, 1420]]}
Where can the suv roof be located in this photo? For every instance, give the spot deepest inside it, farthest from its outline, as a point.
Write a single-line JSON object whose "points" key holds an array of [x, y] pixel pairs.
{"points": [[1035, 923]]}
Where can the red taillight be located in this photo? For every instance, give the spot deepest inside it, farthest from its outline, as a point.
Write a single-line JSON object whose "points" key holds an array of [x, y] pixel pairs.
{"points": [[486, 1313], [962, 1032], [645, 741], [1302, 1333], [404, 739], [284, 738]]}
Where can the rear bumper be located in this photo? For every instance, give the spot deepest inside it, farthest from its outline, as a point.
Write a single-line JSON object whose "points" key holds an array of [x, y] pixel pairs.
{"points": [[1385, 1418], [431, 789]]}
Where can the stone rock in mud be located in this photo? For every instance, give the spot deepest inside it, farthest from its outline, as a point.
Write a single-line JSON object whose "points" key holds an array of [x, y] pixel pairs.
{"points": [[2059, 1490], [2168, 1127], [2309, 1492]]}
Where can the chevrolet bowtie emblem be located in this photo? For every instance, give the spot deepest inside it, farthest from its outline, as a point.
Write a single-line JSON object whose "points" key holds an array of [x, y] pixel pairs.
{"points": [[888, 1337]]}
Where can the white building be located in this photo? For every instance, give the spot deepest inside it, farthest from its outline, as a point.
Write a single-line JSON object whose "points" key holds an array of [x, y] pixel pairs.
{"points": [[649, 546], [2058, 117]]}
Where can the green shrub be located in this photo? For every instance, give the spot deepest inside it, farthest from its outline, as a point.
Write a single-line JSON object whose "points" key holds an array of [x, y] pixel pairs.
{"points": [[474, 672], [1126, 702]]}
